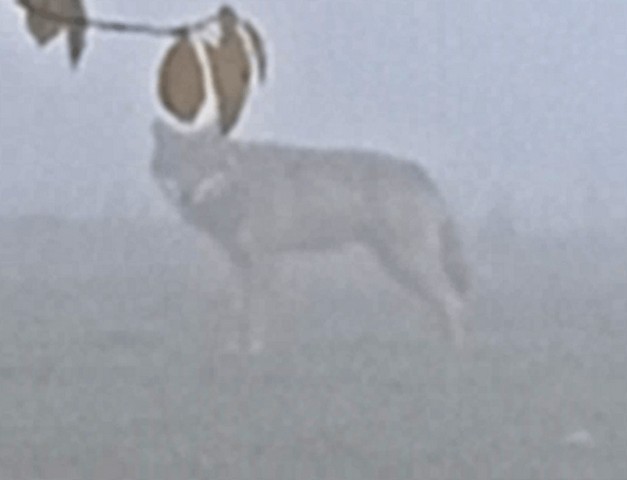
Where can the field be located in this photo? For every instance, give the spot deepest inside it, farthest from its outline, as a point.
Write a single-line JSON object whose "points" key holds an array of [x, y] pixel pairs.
{"points": [[110, 366]]}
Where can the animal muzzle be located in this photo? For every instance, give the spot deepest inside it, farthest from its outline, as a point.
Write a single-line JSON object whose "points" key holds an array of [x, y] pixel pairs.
{"points": [[171, 189], [208, 188]]}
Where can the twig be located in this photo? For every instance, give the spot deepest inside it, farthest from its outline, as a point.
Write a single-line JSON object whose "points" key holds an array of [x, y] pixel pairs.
{"points": [[121, 27]]}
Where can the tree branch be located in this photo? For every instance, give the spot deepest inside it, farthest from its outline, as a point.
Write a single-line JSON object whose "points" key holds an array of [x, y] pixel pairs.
{"points": [[121, 27]]}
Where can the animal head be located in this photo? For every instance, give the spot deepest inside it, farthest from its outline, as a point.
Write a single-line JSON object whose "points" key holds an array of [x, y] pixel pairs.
{"points": [[187, 164]]}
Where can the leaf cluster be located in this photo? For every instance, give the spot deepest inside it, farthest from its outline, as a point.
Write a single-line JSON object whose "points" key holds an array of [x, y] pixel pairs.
{"points": [[182, 84], [47, 19]]}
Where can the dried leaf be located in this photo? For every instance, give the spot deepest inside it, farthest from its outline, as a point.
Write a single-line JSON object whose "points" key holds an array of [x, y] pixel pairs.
{"points": [[258, 49], [41, 28], [228, 19], [230, 71], [181, 84], [45, 29], [76, 34], [76, 44]]}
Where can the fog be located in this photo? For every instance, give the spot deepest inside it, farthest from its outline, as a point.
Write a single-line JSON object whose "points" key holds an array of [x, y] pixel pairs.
{"points": [[520, 96], [114, 308]]}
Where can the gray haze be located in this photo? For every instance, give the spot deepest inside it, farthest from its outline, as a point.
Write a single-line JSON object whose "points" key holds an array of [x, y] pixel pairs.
{"points": [[114, 310], [525, 97]]}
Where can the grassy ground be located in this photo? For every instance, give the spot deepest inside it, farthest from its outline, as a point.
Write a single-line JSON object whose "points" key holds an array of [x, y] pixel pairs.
{"points": [[113, 373]]}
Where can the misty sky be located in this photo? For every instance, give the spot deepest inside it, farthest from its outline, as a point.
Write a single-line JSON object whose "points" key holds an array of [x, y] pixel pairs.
{"points": [[526, 99]]}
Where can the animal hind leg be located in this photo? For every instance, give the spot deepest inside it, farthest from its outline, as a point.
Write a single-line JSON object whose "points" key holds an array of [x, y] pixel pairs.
{"points": [[422, 273]]}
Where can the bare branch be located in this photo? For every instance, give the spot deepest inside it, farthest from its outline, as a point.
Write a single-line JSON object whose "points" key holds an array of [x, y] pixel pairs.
{"points": [[121, 27]]}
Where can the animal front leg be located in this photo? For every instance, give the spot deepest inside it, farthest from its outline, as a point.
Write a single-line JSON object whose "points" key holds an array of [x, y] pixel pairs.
{"points": [[246, 334], [260, 283], [234, 330]]}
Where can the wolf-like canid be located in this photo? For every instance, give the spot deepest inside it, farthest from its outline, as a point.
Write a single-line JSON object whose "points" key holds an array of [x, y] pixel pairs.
{"points": [[259, 200]]}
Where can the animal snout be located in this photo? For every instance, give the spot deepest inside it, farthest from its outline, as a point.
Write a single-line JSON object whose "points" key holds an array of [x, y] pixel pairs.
{"points": [[172, 191]]}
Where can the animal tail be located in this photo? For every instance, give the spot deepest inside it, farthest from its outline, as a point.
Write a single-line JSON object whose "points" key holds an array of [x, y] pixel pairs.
{"points": [[453, 260]]}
